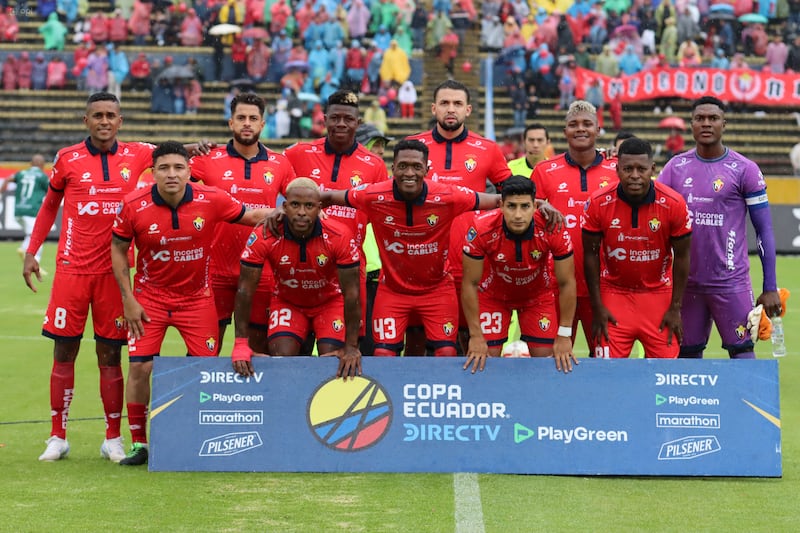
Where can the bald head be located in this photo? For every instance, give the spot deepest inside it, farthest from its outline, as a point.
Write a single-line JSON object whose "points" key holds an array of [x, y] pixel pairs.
{"points": [[37, 161]]}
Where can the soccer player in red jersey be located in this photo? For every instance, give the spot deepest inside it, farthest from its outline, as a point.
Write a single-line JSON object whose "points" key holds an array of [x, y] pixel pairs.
{"points": [[411, 218], [630, 234], [252, 174], [91, 178], [458, 156], [566, 181], [517, 251], [315, 263], [173, 226], [339, 162]]}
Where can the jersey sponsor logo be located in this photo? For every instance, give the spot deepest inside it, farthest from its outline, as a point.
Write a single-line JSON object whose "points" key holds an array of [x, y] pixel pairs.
{"points": [[470, 163], [284, 260], [615, 223], [618, 253], [395, 247], [717, 185], [125, 173], [654, 224], [688, 182], [218, 155], [162, 255], [86, 176], [730, 251], [683, 162], [337, 325], [544, 323], [322, 260], [562, 187], [448, 328], [198, 223], [432, 219], [291, 283], [388, 220], [89, 208]]}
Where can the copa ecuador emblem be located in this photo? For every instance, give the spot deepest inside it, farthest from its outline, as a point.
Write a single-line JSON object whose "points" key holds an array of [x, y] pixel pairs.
{"points": [[349, 415]]}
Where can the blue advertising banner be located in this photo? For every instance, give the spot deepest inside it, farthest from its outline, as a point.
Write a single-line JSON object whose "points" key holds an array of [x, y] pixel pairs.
{"points": [[608, 417]]}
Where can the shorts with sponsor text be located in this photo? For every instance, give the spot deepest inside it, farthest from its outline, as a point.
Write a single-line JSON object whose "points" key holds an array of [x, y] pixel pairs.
{"points": [[326, 321], [197, 324], [638, 316], [538, 320], [70, 299], [437, 310]]}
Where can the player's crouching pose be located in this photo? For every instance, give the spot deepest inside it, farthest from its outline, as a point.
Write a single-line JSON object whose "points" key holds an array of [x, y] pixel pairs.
{"points": [[172, 224], [315, 264], [517, 251]]}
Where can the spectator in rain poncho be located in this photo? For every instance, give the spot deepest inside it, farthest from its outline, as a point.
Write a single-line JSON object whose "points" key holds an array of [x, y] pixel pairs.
{"points": [[395, 66], [720, 60], [328, 86], [777, 53], [97, 70], [358, 19], [404, 40], [118, 69], [382, 38], [39, 73], [607, 63], [492, 34], [56, 73], [332, 33], [24, 71], [407, 96], [69, 8], [629, 62], [318, 65], [10, 73], [54, 33], [669, 41]]}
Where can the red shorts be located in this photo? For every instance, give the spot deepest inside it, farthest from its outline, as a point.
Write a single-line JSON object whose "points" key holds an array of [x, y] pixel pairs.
{"points": [[195, 321], [437, 310], [638, 317], [327, 321], [538, 319], [70, 298], [225, 299]]}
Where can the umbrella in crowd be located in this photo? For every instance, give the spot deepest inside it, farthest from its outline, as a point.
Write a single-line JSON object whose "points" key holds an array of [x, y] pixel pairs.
{"points": [[672, 123], [224, 29], [244, 84], [721, 15], [177, 72], [296, 65], [255, 32], [716, 8], [754, 18], [623, 29]]}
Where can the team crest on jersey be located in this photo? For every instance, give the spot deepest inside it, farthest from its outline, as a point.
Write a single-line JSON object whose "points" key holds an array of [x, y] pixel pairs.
{"points": [[125, 173], [338, 325], [322, 259], [432, 219], [740, 331], [211, 343], [471, 234], [448, 328], [198, 223], [718, 185], [251, 239], [355, 180], [119, 322], [604, 183], [654, 224], [268, 177], [470, 163], [536, 254], [544, 323]]}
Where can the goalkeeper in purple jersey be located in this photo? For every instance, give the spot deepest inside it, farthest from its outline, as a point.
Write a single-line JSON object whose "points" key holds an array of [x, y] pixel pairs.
{"points": [[721, 188]]}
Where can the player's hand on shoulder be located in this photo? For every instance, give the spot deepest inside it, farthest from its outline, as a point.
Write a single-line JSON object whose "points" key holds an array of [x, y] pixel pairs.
{"points": [[553, 217], [272, 222]]}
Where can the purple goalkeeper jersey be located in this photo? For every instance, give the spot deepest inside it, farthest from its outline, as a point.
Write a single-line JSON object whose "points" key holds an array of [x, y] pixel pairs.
{"points": [[718, 193]]}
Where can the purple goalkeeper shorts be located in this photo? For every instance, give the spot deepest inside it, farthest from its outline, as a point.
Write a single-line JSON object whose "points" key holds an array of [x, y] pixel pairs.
{"points": [[728, 311]]}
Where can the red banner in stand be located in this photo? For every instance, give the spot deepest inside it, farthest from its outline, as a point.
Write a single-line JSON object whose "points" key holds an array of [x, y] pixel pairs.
{"points": [[739, 85]]}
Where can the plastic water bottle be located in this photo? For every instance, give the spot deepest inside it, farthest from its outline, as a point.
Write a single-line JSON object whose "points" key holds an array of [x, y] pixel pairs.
{"points": [[778, 345]]}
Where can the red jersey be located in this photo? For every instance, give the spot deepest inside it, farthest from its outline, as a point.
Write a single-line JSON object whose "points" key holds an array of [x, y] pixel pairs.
{"points": [[636, 253], [254, 182], [517, 267], [567, 186], [305, 270], [337, 171], [412, 237], [93, 185], [174, 244], [468, 160]]}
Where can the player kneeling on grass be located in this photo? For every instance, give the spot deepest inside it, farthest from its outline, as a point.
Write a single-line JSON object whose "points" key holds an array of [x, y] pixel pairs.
{"points": [[511, 243], [630, 234], [172, 225], [315, 264]]}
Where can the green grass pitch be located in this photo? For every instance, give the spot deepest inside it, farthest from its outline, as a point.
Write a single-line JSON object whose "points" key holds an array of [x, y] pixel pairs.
{"points": [[85, 493]]}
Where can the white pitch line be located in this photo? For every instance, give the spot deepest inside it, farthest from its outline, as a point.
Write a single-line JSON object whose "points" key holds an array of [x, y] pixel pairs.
{"points": [[468, 509], [23, 338]]}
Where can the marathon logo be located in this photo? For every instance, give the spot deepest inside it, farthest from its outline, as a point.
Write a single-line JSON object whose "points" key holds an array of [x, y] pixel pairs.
{"points": [[689, 448], [230, 444], [231, 418], [687, 420]]}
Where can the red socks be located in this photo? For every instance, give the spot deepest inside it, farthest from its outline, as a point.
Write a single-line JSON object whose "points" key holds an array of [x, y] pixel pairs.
{"points": [[62, 388], [111, 392], [137, 420]]}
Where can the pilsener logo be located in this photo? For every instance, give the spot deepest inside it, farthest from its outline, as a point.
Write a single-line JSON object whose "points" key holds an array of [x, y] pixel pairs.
{"points": [[230, 444], [349, 415], [689, 447]]}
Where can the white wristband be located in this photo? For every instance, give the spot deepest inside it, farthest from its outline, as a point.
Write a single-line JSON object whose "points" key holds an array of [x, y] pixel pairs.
{"points": [[564, 331]]}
